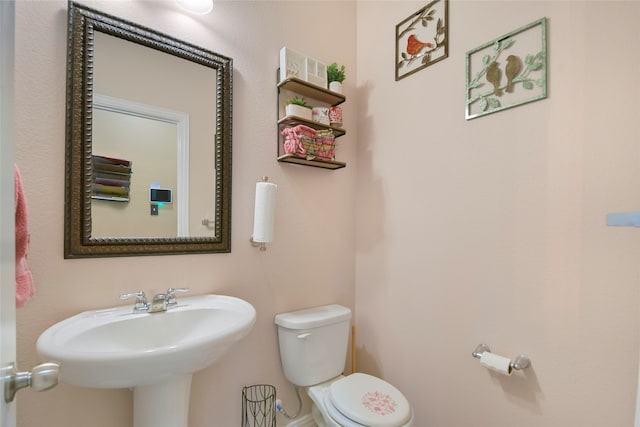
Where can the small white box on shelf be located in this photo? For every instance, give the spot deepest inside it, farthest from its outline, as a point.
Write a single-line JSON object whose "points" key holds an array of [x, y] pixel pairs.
{"points": [[316, 72], [292, 64]]}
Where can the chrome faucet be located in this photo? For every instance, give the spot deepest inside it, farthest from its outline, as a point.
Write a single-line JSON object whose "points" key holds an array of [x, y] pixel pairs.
{"points": [[141, 301], [171, 296], [159, 302]]}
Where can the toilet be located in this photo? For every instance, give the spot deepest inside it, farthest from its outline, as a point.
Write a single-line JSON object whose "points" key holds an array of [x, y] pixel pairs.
{"points": [[313, 349]]}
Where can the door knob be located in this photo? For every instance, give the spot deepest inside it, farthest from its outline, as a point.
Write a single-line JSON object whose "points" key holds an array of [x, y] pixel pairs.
{"points": [[41, 378]]}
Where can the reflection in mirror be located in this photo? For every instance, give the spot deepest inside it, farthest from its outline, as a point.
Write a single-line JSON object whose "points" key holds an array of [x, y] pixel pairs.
{"points": [[144, 112], [155, 154]]}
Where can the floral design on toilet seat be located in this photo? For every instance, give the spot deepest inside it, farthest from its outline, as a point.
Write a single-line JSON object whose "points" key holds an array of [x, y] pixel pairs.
{"points": [[378, 403]]}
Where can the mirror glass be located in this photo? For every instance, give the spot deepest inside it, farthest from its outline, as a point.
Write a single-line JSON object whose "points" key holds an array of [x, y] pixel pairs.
{"points": [[148, 141]]}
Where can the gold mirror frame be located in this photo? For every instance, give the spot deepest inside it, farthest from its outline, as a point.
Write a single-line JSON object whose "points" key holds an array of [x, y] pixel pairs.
{"points": [[78, 243]]}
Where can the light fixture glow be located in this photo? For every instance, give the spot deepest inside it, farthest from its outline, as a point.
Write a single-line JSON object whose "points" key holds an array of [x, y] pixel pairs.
{"points": [[196, 6]]}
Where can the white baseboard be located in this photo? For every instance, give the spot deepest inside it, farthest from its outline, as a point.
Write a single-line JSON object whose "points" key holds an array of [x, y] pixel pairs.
{"points": [[306, 421]]}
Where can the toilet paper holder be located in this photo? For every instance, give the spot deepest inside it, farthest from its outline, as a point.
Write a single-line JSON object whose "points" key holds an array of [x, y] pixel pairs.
{"points": [[521, 362]]}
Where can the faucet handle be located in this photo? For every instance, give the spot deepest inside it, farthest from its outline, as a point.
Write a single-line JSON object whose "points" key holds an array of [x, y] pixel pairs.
{"points": [[171, 295], [141, 300]]}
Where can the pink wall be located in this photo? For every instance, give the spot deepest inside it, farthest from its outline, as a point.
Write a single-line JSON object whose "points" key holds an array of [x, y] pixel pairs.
{"points": [[493, 230], [311, 261], [490, 231]]}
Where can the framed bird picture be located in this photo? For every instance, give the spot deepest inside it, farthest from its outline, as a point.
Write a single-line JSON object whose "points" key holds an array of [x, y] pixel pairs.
{"points": [[508, 71], [422, 39]]}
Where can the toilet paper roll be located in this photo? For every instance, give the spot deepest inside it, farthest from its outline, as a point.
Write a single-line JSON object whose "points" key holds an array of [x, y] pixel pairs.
{"points": [[264, 213], [496, 363]]}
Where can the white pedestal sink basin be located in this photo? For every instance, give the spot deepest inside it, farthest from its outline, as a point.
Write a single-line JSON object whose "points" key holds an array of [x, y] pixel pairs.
{"points": [[154, 353]]}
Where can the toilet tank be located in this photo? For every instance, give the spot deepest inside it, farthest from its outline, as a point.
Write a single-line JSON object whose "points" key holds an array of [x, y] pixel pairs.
{"points": [[313, 343]]}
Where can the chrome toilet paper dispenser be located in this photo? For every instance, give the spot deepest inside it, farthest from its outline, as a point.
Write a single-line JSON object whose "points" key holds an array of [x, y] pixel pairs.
{"points": [[500, 363]]}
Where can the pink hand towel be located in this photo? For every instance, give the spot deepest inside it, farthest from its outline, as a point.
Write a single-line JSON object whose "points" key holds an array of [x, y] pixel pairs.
{"points": [[24, 280]]}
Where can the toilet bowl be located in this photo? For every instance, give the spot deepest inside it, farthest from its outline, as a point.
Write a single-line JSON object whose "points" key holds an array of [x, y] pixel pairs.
{"points": [[313, 347], [359, 400]]}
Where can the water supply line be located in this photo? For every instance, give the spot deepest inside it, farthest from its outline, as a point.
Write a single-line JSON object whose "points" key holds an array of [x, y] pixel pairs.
{"points": [[283, 412]]}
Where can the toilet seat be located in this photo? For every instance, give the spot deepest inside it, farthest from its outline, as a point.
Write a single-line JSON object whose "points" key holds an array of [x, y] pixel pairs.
{"points": [[336, 416], [361, 400]]}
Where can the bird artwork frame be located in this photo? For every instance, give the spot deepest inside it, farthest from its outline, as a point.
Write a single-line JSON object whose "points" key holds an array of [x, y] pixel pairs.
{"points": [[508, 71], [422, 39]]}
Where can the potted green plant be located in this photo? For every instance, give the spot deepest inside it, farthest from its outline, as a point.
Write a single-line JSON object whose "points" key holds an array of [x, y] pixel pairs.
{"points": [[335, 76], [298, 107]]}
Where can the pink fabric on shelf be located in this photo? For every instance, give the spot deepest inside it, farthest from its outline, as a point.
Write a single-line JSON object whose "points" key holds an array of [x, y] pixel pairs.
{"points": [[293, 139], [24, 280]]}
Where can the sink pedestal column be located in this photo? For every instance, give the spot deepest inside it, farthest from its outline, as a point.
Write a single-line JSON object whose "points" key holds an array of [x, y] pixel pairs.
{"points": [[165, 404]]}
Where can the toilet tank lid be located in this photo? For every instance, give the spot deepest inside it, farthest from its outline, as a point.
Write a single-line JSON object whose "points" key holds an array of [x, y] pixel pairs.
{"points": [[313, 317]]}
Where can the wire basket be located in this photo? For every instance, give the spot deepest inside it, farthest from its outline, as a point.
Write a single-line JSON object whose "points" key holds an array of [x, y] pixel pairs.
{"points": [[326, 145], [259, 406], [303, 141]]}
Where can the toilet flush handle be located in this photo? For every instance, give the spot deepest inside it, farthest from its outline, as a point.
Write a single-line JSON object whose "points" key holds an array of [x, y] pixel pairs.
{"points": [[304, 335]]}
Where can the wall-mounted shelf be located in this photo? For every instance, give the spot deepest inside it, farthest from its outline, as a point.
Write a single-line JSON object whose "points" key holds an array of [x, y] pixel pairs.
{"points": [[110, 179], [325, 164], [310, 90], [319, 94], [295, 120]]}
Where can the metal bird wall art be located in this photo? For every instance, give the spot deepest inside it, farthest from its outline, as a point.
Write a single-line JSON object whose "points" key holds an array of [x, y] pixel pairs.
{"points": [[414, 46], [495, 82], [493, 76], [418, 42], [511, 71]]}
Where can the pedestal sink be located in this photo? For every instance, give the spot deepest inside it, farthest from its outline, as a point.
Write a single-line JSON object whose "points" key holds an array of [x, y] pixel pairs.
{"points": [[156, 354]]}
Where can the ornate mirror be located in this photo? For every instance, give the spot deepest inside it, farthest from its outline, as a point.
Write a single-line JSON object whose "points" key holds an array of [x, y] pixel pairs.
{"points": [[148, 144]]}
